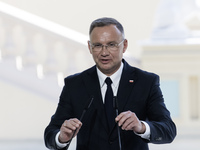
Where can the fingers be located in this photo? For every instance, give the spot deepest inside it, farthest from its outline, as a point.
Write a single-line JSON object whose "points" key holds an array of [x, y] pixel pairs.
{"points": [[72, 124], [126, 120], [129, 121], [68, 128]]}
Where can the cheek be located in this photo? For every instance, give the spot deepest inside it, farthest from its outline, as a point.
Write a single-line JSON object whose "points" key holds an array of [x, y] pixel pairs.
{"points": [[94, 55], [118, 55]]}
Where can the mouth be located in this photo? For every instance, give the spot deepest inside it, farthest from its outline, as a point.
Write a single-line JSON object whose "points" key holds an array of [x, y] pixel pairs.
{"points": [[105, 61]]}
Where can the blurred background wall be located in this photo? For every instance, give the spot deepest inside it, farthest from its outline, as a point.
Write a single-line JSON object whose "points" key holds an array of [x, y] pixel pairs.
{"points": [[40, 39]]}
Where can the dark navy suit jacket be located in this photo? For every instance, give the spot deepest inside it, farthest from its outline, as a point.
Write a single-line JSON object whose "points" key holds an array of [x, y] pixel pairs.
{"points": [[138, 92]]}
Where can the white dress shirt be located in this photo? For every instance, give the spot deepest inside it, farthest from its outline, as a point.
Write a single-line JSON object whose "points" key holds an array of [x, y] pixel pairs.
{"points": [[115, 81]]}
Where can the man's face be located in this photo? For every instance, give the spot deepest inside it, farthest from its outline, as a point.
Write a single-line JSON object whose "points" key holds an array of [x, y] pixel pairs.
{"points": [[106, 60]]}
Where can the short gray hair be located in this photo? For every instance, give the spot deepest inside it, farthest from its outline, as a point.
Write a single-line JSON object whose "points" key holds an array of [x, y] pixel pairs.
{"points": [[101, 22]]}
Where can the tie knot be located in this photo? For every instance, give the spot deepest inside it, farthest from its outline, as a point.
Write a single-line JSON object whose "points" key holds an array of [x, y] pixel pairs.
{"points": [[108, 81]]}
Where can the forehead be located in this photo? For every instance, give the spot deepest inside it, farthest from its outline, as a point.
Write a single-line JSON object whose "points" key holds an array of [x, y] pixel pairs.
{"points": [[110, 32]]}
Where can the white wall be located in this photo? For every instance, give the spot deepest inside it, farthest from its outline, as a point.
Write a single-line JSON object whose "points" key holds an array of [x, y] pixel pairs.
{"points": [[23, 114], [135, 15]]}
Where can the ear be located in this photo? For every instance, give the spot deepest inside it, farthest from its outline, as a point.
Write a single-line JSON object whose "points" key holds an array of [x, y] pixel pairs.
{"points": [[125, 45], [89, 47]]}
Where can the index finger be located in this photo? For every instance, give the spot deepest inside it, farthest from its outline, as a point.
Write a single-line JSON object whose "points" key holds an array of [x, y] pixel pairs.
{"points": [[75, 120], [72, 123], [119, 116]]}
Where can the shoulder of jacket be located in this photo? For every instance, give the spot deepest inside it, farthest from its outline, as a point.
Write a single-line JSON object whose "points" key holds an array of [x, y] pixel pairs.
{"points": [[145, 73], [79, 75]]}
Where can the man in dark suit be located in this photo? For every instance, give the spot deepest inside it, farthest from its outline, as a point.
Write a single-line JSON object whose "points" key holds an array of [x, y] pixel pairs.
{"points": [[143, 115]]}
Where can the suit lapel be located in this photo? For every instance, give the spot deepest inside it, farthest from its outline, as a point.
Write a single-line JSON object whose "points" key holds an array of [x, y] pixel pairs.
{"points": [[126, 85], [91, 82], [125, 88]]}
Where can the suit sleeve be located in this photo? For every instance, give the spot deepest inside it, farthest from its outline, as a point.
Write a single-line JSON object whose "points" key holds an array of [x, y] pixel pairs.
{"points": [[62, 113], [163, 129]]}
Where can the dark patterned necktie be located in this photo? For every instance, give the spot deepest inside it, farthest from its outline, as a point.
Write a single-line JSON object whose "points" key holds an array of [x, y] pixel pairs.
{"points": [[109, 103]]}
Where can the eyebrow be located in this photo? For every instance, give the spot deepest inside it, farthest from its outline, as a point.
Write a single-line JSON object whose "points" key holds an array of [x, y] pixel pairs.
{"points": [[106, 43]]}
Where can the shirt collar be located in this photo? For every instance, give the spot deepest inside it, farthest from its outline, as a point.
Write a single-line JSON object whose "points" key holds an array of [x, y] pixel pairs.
{"points": [[114, 77]]}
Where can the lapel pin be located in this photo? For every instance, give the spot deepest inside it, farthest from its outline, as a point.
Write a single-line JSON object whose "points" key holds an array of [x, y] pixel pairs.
{"points": [[131, 81]]}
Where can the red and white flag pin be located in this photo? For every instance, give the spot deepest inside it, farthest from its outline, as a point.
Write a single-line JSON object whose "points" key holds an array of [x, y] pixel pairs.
{"points": [[131, 81]]}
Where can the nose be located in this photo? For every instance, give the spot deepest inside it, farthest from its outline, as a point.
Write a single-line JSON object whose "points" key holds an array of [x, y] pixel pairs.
{"points": [[104, 50]]}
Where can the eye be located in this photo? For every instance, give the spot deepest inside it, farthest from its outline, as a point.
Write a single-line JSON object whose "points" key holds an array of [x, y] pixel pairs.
{"points": [[97, 45], [111, 44]]}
